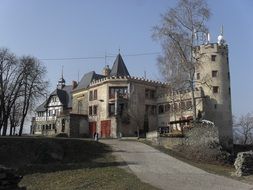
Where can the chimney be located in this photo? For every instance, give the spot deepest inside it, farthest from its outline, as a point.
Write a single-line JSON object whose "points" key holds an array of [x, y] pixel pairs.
{"points": [[74, 84], [106, 71]]}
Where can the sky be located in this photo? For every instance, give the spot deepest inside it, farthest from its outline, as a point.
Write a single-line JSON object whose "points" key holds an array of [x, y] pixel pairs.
{"points": [[97, 29]]}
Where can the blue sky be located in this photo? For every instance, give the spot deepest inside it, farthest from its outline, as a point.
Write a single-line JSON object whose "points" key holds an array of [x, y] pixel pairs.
{"points": [[92, 28]]}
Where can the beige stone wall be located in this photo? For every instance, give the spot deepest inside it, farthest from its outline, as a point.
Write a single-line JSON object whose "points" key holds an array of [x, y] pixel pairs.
{"points": [[218, 105], [80, 96], [136, 102], [175, 113]]}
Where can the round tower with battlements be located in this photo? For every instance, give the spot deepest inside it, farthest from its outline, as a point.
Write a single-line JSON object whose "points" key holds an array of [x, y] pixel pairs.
{"points": [[213, 77]]}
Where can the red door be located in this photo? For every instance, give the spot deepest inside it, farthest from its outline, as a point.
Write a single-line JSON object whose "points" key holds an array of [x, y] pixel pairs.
{"points": [[105, 128], [92, 128]]}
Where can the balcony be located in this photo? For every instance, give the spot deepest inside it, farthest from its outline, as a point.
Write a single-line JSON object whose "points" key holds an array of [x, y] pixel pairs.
{"points": [[120, 96]]}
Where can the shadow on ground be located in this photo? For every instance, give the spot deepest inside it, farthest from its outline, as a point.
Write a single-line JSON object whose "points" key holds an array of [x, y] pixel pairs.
{"points": [[43, 155]]}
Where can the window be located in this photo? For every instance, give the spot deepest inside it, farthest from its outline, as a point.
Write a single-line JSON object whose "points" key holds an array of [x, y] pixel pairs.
{"points": [[121, 91], [167, 108], [160, 109], [215, 106], [63, 125], [95, 94], [229, 90], [111, 109], [152, 94], [91, 96], [213, 57], [182, 105], [79, 106], [214, 73], [153, 110], [95, 109], [146, 109], [121, 108], [90, 110], [215, 89], [149, 94], [188, 104], [198, 76], [175, 107], [228, 75], [146, 93]]}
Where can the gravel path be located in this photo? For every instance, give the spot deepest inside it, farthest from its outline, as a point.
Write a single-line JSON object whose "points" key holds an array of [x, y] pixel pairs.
{"points": [[166, 172]]}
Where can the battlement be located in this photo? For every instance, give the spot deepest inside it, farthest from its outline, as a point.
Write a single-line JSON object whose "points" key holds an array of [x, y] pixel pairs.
{"points": [[126, 78], [210, 47]]}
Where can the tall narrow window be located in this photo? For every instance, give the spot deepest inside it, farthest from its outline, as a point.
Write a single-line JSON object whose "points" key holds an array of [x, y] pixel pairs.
{"points": [[152, 94], [79, 106], [213, 57], [111, 109], [167, 107], [198, 76], [215, 89], [95, 95], [146, 93], [90, 110], [91, 95], [214, 73], [95, 110], [189, 105]]}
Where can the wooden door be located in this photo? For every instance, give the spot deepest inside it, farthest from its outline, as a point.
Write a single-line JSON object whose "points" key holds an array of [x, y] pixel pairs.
{"points": [[105, 128]]}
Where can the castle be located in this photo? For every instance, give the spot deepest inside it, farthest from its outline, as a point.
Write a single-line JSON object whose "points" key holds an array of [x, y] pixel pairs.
{"points": [[116, 104]]}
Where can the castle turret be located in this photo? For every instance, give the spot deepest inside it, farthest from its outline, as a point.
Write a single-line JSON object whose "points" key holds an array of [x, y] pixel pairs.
{"points": [[213, 76], [106, 71], [61, 82]]}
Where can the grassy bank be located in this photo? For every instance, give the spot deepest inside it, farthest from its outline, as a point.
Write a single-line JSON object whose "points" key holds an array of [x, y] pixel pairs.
{"points": [[51, 163]]}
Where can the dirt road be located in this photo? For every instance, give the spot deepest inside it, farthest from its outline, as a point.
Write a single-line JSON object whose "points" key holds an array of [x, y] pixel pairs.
{"points": [[168, 173]]}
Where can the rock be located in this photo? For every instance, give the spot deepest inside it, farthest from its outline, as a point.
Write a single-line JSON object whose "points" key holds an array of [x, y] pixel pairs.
{"points": [[244, 164], [9, 180]]}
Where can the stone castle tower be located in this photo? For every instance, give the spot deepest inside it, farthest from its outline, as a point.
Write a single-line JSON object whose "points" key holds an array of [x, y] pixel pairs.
{"points": [[213, 77]]}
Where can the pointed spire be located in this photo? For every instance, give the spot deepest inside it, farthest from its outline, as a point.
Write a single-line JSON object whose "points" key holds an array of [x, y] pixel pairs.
{"points": [[221, 30], [61, 82], [62, 71], [119, 68]]}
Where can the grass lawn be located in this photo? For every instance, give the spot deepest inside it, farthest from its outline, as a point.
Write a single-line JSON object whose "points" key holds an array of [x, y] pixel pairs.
{"points": [[62, 163], [219, 169]]}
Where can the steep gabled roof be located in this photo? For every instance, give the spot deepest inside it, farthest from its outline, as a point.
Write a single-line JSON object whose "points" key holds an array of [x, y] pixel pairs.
{"points": [[42, 107], [87, 79], [119, 67], [64, 96]]}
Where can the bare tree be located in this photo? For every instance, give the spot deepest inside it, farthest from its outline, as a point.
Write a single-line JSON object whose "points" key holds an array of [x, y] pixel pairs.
{"points": [[244, 126], [34, 85], [15, 117], [10, 85], [182, 28], [21, 83]]}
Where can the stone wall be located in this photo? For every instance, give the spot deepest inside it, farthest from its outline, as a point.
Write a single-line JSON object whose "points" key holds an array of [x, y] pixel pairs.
{"points": [[244, 164], [78, 126]]}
